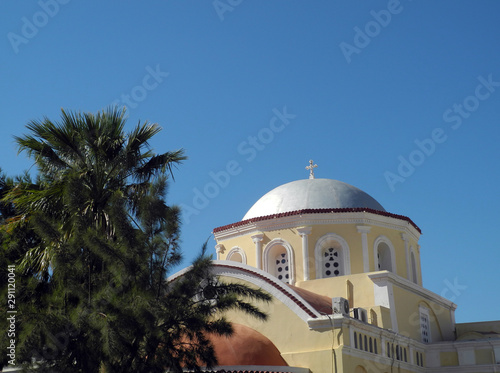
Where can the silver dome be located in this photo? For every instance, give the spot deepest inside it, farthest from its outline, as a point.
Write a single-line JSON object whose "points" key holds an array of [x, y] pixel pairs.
{"points": [[311, 194]]}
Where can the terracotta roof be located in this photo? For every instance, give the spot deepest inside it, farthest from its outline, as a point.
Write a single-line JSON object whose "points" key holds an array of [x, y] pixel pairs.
{"points": [[316, 211], [320, 303], [244, 371], [246, 346]]}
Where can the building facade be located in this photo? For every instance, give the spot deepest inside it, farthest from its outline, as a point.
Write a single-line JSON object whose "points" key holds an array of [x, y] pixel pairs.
{"points": [[346, 281]]}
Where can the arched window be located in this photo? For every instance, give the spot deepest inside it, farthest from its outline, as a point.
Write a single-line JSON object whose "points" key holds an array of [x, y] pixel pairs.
{"points": [[425, 326], [281, 266], [384, 255], [236, 254], [236, 257], [278, 260], [332, 256], [332, 262]]}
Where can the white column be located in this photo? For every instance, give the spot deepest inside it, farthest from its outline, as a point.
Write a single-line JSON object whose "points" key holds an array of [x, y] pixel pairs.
{"points": [[219, 249], [496, 349], [383, 347], [304, 233], [404, 236], [257, 240], [384, 296], [364, 230]]}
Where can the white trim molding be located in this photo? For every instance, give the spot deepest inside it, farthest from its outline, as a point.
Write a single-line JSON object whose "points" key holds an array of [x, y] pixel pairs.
{"points": [[269, 283], [237, 250], [257, 240], [304, 232], [406, 240], [364, 230], [219, 249], [311, 219]]}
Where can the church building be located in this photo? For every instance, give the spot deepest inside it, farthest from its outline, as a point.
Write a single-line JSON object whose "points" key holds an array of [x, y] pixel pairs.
{"points": [[346, 280]]}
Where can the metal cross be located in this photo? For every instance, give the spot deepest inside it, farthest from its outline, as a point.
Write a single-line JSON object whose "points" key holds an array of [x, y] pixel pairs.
{"points": [[311, 168]]}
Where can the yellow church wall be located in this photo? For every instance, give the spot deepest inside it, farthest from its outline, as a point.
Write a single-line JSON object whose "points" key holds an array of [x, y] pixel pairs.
{"points": [[243, 242], [383, 316], [408, 315], [356, 362], [303, 347], [362, 288], [349, 233], [344, 359], [484, 356], [290, 334], [246, 243], [316, 361], [394, 236], [448, 358]]}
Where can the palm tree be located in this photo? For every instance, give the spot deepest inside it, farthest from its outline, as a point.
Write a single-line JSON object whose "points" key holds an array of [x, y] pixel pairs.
{"points": [[105, 240], [91, 154]]}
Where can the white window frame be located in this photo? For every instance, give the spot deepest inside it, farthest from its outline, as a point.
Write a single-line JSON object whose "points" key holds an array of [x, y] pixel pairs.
{"points": [[237, 250], [413, 266], [379, 240], [424, 317], [322, 244], [269, 262]]}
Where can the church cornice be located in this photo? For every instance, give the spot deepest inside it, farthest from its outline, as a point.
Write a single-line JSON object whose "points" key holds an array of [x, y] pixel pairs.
{"points": [[384, 277], [311, 217]]}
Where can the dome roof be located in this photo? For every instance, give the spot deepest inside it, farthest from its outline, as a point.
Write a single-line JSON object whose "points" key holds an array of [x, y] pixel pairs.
{"points": [[246, 347], [311, 194]]}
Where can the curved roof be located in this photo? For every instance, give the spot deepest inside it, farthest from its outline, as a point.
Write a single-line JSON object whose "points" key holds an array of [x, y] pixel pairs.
{"points": [[245, 347], [311, 194]]}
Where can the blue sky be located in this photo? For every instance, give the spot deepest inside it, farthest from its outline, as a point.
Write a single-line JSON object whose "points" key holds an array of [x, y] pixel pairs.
{"points": [[400, 99]]}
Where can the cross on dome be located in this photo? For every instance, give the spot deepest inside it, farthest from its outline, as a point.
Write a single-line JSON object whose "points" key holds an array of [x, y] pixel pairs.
{"points": [[311, 168]]}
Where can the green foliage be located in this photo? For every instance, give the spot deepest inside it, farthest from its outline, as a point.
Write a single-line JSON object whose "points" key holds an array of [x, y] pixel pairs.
{"points": [[94, 240]]}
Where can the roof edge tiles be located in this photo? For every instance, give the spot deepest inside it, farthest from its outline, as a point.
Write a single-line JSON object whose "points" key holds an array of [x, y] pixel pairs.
{"points": [[316, 211]]}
